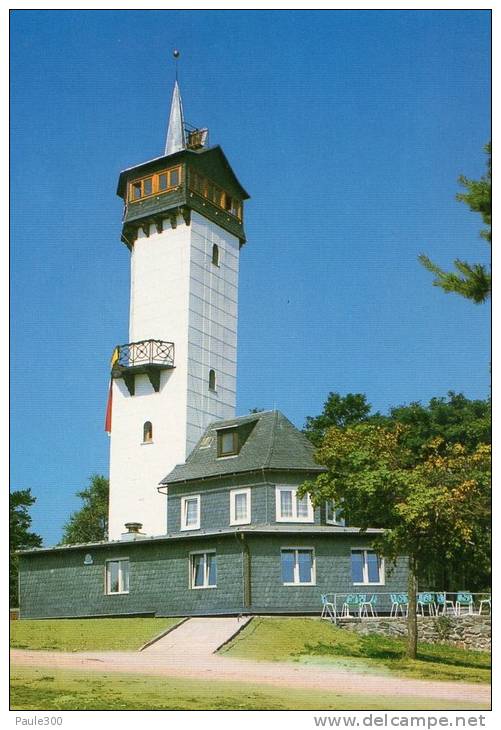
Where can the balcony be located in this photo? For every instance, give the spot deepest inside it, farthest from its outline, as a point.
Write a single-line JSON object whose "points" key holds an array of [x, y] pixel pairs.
{"points": [[147, 357]]}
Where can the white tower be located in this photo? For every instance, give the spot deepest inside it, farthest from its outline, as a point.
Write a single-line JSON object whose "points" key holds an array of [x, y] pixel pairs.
{"points": [[183, 225]]}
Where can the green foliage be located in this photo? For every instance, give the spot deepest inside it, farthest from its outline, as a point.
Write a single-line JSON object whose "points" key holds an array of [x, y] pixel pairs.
{"points": [[20, 536], [433, 505], [338, 411], [472, 281], [90, 523]]}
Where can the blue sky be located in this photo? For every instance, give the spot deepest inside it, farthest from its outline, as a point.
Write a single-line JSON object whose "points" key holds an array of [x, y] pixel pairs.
{"points": [[349, 130]]}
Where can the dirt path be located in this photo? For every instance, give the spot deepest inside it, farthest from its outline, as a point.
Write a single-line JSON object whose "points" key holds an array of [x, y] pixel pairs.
{"points": [[288, 675]]}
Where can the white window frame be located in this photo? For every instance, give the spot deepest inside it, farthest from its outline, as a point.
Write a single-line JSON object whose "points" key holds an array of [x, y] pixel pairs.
{"points": [[365, 568], [233, 495], [339, 523], [279, 488], [185, 499], [296, 581], [107, 577], [191, 571]]}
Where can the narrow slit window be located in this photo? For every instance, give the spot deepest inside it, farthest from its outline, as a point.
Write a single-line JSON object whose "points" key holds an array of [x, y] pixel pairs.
{"points": [[147, 432], [215, 254], [212, 380]]}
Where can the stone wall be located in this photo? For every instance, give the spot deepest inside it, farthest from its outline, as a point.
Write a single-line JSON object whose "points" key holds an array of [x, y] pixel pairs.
{"points": [[468, 632]]}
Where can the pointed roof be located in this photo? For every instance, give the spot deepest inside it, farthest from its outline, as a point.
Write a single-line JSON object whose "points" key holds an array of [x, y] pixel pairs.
{"points": [[268, 441], [176, 140]]}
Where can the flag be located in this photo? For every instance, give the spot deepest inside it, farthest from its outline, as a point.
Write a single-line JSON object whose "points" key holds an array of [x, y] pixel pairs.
{"points": [[107, 421], [115, 356]]}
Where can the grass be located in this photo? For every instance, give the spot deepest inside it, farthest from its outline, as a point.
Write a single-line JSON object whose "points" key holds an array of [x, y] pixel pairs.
{"points": [[91, 634], [47, 689], [313, 641]]}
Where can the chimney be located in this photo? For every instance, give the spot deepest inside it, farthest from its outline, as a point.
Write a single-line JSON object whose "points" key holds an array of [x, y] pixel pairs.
{"points": [[133, 532]]}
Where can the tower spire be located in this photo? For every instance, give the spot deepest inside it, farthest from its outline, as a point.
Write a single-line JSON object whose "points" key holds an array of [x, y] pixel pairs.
{"points": [[176, 140]]}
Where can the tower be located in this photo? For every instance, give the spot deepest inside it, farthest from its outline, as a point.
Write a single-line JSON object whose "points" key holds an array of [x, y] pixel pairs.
{"points": [[183, 226]]}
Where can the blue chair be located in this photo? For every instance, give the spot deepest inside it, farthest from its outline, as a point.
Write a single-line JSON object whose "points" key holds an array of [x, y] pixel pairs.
{"points": [[353, 601], [464, 600], [328, 608], [444, 604], [399, 602], [427, 600], [368, 605], [485, 602]]}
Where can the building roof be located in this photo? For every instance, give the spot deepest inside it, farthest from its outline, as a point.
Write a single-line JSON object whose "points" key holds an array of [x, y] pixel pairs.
{"points": [[268, 441], [228, 531], [175, 132]]}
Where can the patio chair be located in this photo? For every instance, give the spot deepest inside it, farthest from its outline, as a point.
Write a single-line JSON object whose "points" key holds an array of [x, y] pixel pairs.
{"points": [[485, 602], [368, 605], [426, 600], [328, 609], [444, 604], [399, 602], [353, 601], [464, 600]]}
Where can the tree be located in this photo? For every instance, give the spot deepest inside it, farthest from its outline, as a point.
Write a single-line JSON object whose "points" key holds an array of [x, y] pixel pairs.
{"points": [[90, 523], [338, 411], [20, 536], [472, 281], [431, 506]]}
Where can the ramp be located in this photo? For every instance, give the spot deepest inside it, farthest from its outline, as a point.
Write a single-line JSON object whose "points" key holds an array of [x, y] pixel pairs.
{"points": [[196, 638]]}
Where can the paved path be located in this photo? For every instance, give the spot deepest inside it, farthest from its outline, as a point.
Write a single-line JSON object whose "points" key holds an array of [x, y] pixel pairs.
{"points": [[195, 639], [187, 652]]}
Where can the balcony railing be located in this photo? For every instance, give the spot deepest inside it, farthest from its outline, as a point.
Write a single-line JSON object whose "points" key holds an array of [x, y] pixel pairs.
{"points": [[148, 357]]}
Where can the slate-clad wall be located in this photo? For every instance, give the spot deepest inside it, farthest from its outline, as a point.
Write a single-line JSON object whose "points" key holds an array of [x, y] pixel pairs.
{"points": [[58, 584], [215, 499], [333, 572]]}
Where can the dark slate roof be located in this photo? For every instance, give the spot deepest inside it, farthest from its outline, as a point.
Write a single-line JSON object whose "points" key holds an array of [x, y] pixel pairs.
{"points": [[310, 529], [270, 442]]}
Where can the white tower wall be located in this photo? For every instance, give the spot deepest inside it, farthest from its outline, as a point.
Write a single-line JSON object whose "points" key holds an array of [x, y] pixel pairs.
{"points": [[180, 296]]}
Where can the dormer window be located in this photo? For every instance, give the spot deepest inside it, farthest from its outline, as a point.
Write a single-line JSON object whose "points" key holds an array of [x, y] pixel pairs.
{"points": [[227, 442]]}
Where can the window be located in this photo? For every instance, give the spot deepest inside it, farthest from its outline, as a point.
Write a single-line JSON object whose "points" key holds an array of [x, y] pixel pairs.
{"points": [[117, 576], [366, 567], [215, 254], [333, 514], [290, 508], [215, 194], [227, 443], [203, 570], [212, 380], [298, 566], [159, 182], [190, 512], [240, 506], [147, 433]]}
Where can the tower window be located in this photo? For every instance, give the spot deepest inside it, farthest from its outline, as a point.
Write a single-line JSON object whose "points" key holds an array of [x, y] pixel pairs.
{"points": [[147, 433], [147, 186], [162, 181], [215, 254], [212, 380]]}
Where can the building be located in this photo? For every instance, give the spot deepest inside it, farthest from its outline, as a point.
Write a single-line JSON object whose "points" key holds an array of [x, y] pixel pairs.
{"points": [[204, 513]]}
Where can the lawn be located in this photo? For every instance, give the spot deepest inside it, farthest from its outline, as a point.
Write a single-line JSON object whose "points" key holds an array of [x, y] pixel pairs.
{"points": [[313, 641], [91, 634], [47, 689]]}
